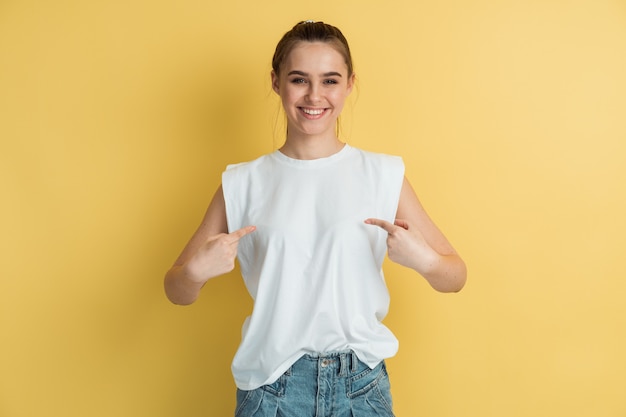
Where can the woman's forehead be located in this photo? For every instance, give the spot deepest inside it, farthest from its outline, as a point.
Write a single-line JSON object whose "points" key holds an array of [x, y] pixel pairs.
{"points": [[320, 56]]}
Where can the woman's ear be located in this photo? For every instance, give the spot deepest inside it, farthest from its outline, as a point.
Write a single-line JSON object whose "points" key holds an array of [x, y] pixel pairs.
{"points": [[351, 81], [275, 82]]}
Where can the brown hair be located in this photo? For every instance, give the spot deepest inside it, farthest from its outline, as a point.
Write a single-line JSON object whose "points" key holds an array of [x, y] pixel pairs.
{"points": [[310, 31]]}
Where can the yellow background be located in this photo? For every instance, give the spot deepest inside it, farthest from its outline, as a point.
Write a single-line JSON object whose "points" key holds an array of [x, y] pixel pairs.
{"points": [[117, 118]]}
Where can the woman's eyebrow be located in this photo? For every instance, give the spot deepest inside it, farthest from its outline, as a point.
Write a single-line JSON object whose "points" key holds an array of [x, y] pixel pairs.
{"points": [[304, 74]]}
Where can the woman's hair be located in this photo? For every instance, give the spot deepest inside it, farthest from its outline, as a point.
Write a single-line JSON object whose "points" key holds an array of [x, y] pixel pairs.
{"points": [[310, 31]]}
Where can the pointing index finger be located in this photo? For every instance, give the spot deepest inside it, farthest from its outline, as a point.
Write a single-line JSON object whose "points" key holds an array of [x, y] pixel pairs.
{"points": [[238, 234], [383, 224]]}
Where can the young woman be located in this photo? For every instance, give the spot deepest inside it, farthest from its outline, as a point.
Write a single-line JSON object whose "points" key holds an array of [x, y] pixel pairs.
{"points": [[310, 225]]}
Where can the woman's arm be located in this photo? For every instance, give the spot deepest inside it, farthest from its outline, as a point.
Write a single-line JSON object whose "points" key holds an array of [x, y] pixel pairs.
{"points": [[210, 252], [415, 242]]}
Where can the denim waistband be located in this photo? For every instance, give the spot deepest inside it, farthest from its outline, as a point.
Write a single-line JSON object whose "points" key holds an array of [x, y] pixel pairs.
{"points": [[328, 384], [342, 363]]}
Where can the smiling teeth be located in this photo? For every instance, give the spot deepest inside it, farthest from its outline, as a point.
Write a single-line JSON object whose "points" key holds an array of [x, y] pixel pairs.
{"points": [[313, 112]]}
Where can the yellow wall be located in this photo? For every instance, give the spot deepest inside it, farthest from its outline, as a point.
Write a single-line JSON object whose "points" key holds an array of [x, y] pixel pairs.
{"points": [[117, 117]]}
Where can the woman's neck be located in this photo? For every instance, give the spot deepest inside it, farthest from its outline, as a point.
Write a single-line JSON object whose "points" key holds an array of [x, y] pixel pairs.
{"points": [[311, 147]]}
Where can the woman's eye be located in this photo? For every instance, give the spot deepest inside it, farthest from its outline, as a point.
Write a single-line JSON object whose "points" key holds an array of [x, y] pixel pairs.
{"points": [[331, 81], [298, 81]]}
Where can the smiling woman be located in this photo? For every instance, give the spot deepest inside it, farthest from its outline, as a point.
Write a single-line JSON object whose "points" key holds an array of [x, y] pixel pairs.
{"points": [[313, 92], [310, 225], [117, 116]]}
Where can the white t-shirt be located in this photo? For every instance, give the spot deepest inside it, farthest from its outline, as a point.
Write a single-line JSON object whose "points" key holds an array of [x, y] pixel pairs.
{"points": [[312, 266]]}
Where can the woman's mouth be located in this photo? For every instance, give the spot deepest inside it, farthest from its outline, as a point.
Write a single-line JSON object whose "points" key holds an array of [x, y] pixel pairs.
{"points": [[312, 113]]}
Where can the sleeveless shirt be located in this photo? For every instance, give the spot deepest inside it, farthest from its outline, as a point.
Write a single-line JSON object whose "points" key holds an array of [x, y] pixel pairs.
{"points": [[312, 266]]}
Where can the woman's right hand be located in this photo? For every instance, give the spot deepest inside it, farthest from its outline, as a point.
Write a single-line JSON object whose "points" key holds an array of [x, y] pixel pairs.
{"points": [[216, 256], [210, 252]]}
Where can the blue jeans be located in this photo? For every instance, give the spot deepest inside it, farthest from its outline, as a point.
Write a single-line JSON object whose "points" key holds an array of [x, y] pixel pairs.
{"points": [[332, 385]]}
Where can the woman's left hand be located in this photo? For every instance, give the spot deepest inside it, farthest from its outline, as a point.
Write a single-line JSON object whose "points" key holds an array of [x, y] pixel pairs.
{"points": [[406, 245], [415, 241]]}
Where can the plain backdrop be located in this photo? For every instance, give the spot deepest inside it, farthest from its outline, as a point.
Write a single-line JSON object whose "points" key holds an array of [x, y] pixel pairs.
{"points": [[117, 118]]}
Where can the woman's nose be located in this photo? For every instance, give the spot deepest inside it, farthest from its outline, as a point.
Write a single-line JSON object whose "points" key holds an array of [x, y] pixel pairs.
{"points": [[313, 94]]}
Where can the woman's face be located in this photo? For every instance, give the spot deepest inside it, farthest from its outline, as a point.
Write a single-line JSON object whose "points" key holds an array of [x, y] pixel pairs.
{"points": [[313, 86]]}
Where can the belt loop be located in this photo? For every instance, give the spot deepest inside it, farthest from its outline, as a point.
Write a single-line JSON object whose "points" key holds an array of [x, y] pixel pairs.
{"points": [[343, 366], [354, 361]]}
